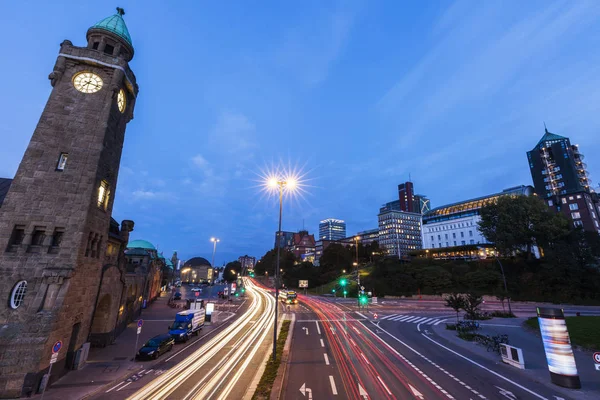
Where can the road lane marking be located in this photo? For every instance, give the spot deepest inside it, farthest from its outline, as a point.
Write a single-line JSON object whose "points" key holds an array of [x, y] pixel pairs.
{"points": [[333, 387], [124, 386], [398, 318], [415, 392], [365, 358], [322, 343], [326, 358], [114, 387], [361, 315], [318, 329], [440, 321], [427, 320], [384, 386], [484, 368], [406, 360], [388, 316], [409, 319]]}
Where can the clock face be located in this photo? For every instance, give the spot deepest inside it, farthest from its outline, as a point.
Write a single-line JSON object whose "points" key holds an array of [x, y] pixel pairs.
{"points": [[121, 100], [87, 82]]}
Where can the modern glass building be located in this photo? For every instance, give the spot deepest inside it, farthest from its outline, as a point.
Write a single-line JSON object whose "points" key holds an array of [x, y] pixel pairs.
{"points": [[332, 229], [399, 231]]}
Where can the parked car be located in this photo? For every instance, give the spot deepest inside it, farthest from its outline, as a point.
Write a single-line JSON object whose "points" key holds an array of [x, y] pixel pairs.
{"points": [[156, 346], [177, 296]]}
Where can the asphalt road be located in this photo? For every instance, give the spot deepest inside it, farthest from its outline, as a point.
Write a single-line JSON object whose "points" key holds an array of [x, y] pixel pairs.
{"points": [[371, 359], [221, 363]]}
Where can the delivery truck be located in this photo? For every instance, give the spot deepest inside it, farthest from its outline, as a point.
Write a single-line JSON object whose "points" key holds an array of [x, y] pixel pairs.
{"points": [[186, 323]]}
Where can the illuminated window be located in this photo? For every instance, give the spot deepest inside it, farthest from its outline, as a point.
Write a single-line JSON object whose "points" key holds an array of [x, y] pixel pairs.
{"points": [[573, 206], [18, 294], [575, 215], [103, 194], [564, 200], [62, 161], [121, 99]]}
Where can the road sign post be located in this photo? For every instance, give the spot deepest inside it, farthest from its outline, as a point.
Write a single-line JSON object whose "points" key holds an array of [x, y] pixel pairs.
{"points": [[53, 358], [139, 330], [597, 360]]}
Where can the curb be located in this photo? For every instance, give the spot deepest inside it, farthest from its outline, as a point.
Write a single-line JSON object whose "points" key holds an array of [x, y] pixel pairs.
{"points": [[281, 378]]}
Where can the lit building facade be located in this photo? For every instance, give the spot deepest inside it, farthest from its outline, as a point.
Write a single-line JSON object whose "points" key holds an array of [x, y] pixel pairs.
{"points": [[364, 237], [247, 262], [561, 179], [399, 231], [456, 224], [332, 229]]}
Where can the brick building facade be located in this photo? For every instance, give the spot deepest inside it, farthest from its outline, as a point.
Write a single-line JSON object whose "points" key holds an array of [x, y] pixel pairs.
{"points": [[55, 221]]}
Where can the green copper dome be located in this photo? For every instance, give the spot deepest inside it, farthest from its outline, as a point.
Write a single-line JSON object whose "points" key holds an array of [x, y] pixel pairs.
{"points": [[141, 244], [116, 25]]}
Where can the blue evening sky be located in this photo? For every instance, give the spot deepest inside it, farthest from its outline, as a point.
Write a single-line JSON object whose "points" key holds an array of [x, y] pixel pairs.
{"points": [[358, 94]]}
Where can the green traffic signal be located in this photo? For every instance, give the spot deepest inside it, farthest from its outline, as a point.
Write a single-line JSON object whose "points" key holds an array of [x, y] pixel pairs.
{"points": [[343, 281], [345, 292], [332, 290]]}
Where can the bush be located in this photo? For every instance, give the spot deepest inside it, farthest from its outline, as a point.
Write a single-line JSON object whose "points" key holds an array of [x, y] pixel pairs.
{"points": [[468, 336], [451, 327], [502, 314]]}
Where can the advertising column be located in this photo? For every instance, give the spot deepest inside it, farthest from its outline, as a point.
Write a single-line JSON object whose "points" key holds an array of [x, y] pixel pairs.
{"points": [[557, 344]]}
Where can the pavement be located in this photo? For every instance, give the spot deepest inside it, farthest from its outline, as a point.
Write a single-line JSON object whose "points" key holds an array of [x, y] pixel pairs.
{"points": [[114, 363]]}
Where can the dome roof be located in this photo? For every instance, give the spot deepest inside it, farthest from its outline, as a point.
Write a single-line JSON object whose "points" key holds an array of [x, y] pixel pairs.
{"points": [[141, 244], [196, 262], [115, 24]]}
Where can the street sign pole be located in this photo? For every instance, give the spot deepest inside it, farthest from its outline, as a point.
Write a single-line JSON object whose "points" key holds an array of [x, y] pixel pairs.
{"points": [[55, 349], [139, 330]]}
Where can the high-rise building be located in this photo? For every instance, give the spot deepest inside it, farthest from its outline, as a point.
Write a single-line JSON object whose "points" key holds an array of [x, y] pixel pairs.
{"points": [[56, 217], [247, 262], [406, 196], [456, 224], [332, 229], [561, 179], [399, 231]]}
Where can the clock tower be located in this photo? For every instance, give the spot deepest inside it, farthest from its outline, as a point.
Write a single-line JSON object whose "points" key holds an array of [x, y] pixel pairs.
{"points": [[54, 221]]}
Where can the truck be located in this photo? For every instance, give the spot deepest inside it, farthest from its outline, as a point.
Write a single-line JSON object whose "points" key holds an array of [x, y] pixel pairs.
{"points": [[186, 323]]}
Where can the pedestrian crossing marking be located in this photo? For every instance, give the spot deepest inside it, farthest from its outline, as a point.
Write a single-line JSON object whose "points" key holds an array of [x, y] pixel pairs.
{"points": [[414, 319]]}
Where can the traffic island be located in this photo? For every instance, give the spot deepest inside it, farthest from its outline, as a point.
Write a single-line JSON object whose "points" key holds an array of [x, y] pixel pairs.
{"points": [[267, 382]]}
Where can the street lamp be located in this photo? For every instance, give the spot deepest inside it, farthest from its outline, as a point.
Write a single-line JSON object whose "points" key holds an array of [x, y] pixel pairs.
{"points": [[279, 184], [215, 241]]}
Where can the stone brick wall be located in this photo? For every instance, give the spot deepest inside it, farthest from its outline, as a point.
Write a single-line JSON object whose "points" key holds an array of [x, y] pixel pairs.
{"points": [[62, 281]]}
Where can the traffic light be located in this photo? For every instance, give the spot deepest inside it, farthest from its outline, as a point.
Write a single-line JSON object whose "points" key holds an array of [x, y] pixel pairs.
{"points": [[363, 299], [343, 281], [332, 290], [243, 290], [345, 292], [237, 294]]}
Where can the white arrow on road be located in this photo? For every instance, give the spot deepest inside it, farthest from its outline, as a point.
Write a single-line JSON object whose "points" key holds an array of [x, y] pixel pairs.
{"points": [[305, 329], [415, 392], [362, 392], [506, 393], [305, 390]]}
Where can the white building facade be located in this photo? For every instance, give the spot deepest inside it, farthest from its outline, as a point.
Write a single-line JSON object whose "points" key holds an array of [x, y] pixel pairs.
{"points": [[456, 224]]}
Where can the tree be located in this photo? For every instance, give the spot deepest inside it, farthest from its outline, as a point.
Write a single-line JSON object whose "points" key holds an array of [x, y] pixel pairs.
{"points": [[471, 305], [516, 223], [232, 271], [268, 262], [456, 302]]}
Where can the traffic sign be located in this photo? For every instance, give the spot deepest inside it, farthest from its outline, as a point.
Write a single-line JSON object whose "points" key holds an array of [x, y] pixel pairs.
{"points": [[139, 330], [375, 315], [362, 288], [53, 358], [57, 346], [597, 357], [140, 323], [303, 284], [197, 294]]}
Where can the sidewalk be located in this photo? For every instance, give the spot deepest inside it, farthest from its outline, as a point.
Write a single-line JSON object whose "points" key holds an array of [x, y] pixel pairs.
{"points": [[113, 362], [536, 367]]}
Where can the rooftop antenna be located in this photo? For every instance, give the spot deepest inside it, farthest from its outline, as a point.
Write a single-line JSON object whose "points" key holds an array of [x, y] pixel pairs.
{"points": [[546, 129]]}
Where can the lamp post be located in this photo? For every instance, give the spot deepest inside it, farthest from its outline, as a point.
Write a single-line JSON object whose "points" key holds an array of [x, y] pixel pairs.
{"points": [[279, 184], [356, 239], [504, 279], [215, 241]]}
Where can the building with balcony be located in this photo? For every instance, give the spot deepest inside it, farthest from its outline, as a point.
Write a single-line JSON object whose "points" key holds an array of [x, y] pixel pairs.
{"points": [[561, 179], [332, 229], [456, 224]]}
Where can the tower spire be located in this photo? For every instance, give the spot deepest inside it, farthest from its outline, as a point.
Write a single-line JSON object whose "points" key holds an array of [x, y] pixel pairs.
{"points": [[120, 11], [545, 129]]}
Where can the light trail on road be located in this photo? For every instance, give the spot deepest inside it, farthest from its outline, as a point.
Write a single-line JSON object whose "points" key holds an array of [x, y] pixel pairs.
{"points": [[252, 335]]}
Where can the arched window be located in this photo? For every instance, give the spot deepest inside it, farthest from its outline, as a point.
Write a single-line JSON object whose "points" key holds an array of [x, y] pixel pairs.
{"points": [[18, 294]]}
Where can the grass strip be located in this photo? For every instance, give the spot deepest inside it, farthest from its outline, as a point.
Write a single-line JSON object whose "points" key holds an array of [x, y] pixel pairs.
{"points": [[583, 331], [263, 390]]}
